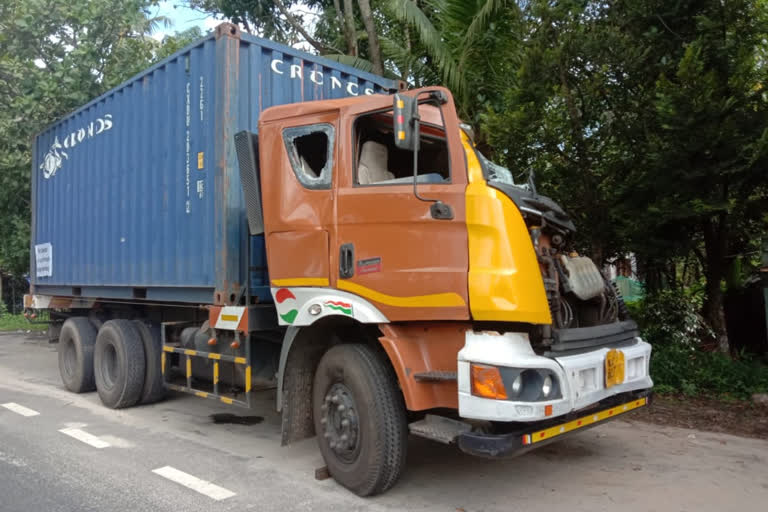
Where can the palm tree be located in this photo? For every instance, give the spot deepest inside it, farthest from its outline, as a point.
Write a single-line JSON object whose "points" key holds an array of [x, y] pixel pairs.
{"points": [[448, 30]]}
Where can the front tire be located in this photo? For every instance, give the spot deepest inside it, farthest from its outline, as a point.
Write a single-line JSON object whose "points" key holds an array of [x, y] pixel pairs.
{"points": [[360, 419], [119, 364], [76, 341]]}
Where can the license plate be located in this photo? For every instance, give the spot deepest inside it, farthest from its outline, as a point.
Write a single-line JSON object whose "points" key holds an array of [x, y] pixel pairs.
{"points": [[614, 368]]}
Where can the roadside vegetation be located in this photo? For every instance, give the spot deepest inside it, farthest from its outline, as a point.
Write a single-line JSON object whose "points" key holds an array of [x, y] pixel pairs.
{"points": [[683, 362], [13, 323]]}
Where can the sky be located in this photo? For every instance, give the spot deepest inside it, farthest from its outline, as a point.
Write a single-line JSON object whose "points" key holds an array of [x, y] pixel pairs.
{"points": [[182, 18]]}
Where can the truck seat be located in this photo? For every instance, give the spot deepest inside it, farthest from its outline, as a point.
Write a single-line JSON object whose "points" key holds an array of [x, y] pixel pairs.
{"points": [[373, 164]]}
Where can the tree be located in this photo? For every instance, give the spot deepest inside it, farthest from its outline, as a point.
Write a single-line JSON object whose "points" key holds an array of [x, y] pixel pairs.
{"points": [[711, 140], [559, 118], [464, 41], [55, 57], [353, 32], [373, 39], [277, 20], [649, 120]]}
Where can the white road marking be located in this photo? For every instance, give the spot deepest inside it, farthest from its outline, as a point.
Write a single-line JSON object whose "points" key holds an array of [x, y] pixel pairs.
{"points": [[82, 435], [202, 486], [20, 409], [117, 442]]}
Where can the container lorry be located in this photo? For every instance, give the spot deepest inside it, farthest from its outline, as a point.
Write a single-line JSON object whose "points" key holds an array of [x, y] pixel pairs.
{"points": [[243, 216]]}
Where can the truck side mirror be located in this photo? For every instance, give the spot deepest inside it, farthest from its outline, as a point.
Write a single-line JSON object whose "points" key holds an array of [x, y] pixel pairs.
{"points": [[406, 111]]}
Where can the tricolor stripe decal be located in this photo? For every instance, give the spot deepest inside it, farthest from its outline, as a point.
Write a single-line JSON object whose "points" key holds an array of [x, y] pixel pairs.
{"points": [[336, 305], [282, 296]]}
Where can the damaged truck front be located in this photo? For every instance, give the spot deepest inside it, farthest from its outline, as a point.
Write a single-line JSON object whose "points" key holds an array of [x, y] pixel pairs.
{"points": [[501, 338]]}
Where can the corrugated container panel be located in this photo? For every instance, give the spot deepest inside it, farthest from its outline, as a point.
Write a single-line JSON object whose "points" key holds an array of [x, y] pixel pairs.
{"points": [[137, 194]]}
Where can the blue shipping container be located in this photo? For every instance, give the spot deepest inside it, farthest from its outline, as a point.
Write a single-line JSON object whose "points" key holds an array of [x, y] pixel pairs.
{"points": [[137, 194]]}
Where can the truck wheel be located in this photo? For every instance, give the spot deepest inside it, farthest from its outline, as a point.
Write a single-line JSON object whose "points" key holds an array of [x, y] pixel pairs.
{"points": [[360, 419], [119, 364], [76, 342], [154, 385]]}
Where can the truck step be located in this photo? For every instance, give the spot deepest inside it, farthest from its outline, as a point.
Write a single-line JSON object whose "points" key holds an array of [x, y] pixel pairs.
{"points": [[435, 375], [439, 428]]}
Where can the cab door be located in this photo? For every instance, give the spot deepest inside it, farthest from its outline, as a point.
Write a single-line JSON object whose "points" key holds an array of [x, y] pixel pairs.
{"points": [[392, 249], [297, 174]]}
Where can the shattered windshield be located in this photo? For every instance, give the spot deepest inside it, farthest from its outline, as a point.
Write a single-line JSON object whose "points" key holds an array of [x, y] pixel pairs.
{"points": [[495, 172]]}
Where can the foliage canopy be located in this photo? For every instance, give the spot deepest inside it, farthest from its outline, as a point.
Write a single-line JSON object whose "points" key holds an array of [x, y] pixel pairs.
{"points": [[54, 57], [647, 119]]}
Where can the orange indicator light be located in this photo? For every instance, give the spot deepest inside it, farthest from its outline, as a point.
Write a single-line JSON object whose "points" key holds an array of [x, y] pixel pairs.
{"points": [[486, 382]]}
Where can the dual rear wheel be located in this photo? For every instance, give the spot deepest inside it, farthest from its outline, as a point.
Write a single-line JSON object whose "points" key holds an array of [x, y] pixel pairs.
{"points": [[121, 362]]}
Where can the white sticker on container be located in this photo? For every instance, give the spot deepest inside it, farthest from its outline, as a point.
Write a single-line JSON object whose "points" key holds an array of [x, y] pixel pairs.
{"points": [[44, 260]]}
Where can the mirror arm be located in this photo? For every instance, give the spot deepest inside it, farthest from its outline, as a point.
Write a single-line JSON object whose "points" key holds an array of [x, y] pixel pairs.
{"points": [[438, 210], [416, 138]]}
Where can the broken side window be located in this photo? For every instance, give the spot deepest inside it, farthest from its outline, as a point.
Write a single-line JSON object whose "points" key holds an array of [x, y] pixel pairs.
{"points": [[310, 152]]}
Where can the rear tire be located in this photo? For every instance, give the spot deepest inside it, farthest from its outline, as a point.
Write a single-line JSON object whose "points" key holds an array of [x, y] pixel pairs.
{"points": [[119, 364], [76, 342], [154, 384], [360, 419]]}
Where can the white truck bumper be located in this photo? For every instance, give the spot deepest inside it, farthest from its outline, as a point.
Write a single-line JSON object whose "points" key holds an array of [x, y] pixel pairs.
{"points": [[581, 377]]}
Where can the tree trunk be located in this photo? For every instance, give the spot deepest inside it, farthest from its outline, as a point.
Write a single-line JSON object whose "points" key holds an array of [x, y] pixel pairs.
{"points": [[597, 253], [650, 271], [406, 71], [350, 32], [373, 38], [715, 244], [343, 27]]}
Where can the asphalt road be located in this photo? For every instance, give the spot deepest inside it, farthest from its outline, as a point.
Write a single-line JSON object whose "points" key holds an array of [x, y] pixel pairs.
{"points": [[171, 457]]}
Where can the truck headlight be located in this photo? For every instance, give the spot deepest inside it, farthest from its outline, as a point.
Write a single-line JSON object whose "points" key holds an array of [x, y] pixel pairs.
{"points": [[546, 387], [518, 384]]}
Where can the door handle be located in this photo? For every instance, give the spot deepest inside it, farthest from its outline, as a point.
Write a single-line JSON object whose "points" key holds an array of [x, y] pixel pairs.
{"points": [[346, 261]]}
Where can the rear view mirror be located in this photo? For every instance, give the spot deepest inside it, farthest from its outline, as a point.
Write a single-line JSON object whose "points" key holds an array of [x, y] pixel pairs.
{"points": [[405, 111]]}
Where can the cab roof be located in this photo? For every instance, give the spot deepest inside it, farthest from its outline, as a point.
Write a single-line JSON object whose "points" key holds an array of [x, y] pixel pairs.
{"points": [[316, 106], [305, 108]]}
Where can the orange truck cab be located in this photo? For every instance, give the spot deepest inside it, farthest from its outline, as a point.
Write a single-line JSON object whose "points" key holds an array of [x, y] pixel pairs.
{"points": [[414, 275]]}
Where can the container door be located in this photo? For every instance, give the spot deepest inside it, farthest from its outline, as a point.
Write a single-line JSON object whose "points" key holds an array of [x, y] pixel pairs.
{"points": [[393, 248], [297, 167]]}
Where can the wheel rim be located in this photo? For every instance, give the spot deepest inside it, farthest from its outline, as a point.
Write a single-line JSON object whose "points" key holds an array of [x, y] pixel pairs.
{"points": [[341, 422], [70, 359], [109, 366]]}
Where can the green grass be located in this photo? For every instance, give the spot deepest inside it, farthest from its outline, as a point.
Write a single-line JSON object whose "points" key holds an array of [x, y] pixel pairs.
{"points": [[12, 323]]}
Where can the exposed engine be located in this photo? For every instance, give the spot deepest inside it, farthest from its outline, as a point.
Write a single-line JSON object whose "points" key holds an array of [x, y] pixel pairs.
{"points": [[587, 309], [578, 293], [579, 297]]}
